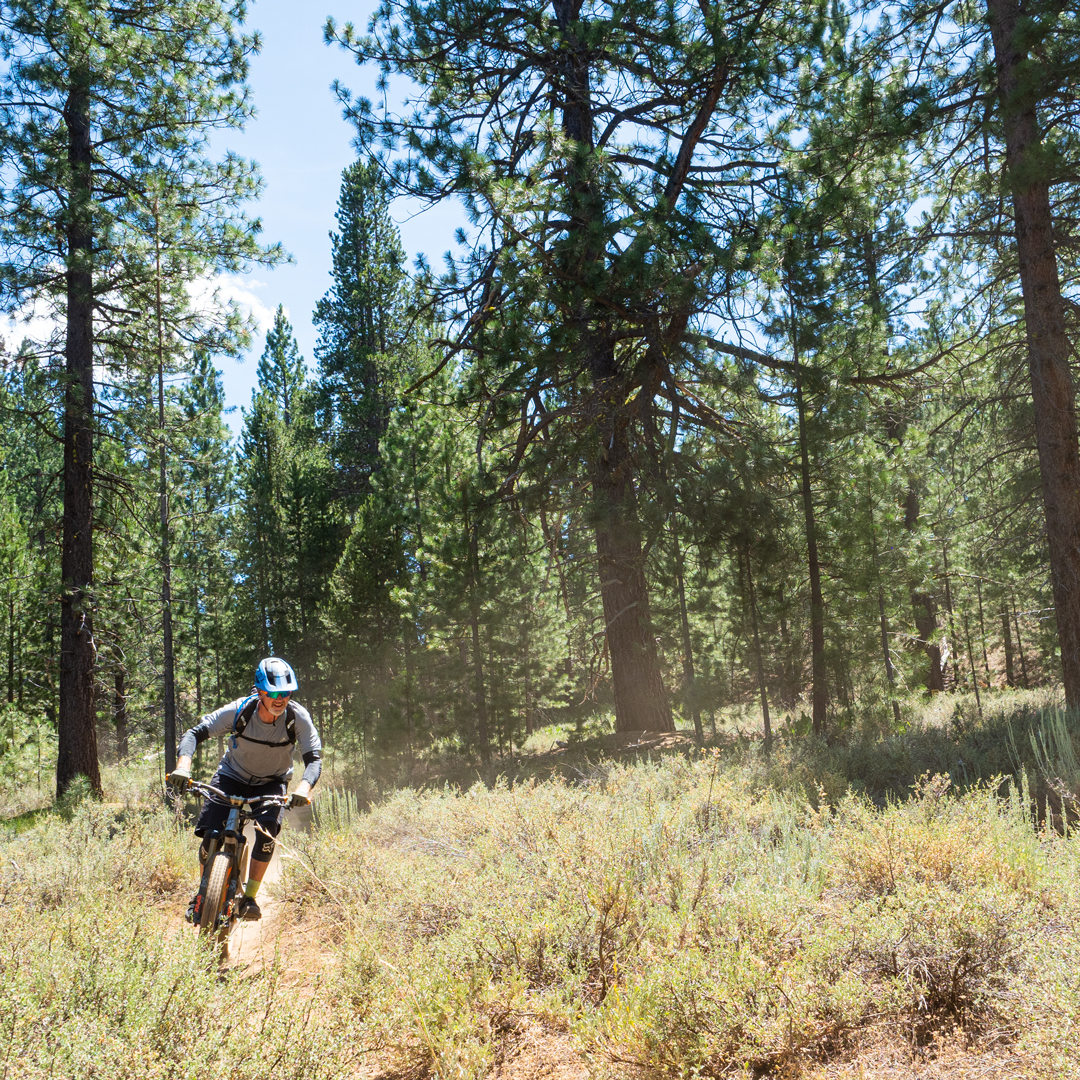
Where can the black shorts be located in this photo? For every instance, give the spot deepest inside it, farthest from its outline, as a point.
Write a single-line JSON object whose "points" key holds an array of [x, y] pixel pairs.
{"points": [[212, 815]]}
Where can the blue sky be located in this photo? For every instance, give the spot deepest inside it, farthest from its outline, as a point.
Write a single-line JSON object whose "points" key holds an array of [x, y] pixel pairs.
{"points": [[302, 143]]}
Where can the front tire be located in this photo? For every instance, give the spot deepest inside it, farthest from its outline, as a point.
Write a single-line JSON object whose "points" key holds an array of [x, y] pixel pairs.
{"points": [[217, 896]]}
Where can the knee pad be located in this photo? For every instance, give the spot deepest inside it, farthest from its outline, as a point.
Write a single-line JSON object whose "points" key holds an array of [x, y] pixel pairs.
{"points": [[263, 847]]}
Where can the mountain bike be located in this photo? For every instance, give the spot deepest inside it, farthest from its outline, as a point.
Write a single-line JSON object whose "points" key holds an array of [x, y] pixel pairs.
{"points": [[226, 866]]}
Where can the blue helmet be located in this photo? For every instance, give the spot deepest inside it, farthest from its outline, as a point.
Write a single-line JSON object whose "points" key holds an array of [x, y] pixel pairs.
{"points": [[274, 675]]}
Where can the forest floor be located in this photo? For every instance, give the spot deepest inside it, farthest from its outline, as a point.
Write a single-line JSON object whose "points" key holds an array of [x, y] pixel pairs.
{"points": [[529, 1049], [624, 908]]}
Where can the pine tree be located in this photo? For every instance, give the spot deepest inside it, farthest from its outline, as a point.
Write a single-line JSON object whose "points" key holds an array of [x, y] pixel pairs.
{"points": [[288, 530], [361, 327], [206, 490], [104, 147], [281, 370], [989, 114], [597, 241]]}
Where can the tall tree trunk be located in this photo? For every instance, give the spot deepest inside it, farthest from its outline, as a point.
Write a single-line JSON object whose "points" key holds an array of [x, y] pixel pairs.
{"points": [[77, 738], [757, 654], [923, 607], [120, 712], [926, 623], [890, 674], [168, 667], [789, 693], [479, 696], [22, 672], [883, 621], [11, 649], [957, 667], [982, 631], [688, 645], [1006, 633], [640, 698], [528, 680], [971, 663], [1020, 651], [641, 702], [409, 726], [1052, 389], [819, 694]]}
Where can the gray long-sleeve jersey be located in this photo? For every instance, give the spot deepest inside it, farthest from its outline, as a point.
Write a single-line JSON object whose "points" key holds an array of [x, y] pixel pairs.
{"points": [[263, 751]]}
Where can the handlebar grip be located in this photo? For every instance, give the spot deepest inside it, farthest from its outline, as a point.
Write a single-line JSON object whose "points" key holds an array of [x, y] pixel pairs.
{"points": [[178, 782]]}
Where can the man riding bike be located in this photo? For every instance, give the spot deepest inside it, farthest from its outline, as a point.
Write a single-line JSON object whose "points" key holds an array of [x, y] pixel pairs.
{"points": [[264, 727]]}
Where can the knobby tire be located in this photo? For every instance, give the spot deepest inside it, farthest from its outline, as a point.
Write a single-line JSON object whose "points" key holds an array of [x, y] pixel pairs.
{"points": [[217, 896]]}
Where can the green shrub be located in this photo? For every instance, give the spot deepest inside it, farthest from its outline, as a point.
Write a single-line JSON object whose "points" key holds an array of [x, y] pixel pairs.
{"points": [[715, 914], [682, 917]]}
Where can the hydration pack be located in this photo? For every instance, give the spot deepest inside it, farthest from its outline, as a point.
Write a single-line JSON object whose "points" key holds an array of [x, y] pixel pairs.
{"points": [[247, 711]]}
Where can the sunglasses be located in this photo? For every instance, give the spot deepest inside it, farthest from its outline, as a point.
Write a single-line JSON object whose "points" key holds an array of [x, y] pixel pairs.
{"points": [[276, 695]]}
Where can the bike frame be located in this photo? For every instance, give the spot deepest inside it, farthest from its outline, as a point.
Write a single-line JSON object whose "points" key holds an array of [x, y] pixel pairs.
{"points": [[231, 841]]}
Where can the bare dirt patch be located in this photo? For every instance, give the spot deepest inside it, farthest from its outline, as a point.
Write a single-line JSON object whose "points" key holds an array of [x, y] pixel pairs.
{"points": [[535, 1052], [901, 1061]]}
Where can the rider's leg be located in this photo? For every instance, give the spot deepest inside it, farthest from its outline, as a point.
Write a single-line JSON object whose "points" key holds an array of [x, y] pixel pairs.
{"points": [[267, 828], [261, 852], [249, 906], [257, 870]]}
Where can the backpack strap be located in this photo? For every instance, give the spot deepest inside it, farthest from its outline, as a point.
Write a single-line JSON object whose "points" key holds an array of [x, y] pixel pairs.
{"points": [[247, 711]]}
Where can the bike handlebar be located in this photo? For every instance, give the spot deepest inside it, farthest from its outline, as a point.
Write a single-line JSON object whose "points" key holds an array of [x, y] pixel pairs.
{"points": [[217, 795]]}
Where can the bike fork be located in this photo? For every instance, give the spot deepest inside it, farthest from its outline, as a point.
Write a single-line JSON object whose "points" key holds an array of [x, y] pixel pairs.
{"points": [[212, 845], [235, 843]]}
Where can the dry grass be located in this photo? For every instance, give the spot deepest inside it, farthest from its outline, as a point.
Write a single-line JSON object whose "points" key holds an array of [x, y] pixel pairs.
{"points": [[685, 917]]}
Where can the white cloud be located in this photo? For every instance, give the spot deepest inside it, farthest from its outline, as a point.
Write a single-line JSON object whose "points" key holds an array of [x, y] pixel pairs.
{"points": [[239, 378], [33, 322], [39, 325], [239, 290]]}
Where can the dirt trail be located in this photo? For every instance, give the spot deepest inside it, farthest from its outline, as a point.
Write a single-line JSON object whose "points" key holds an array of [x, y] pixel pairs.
{"points": [[249, 941], [534, 1051], [255, 945]]}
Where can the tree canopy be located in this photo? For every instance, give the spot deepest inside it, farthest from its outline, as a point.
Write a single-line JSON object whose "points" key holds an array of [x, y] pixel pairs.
{"points": [[747, 394]]}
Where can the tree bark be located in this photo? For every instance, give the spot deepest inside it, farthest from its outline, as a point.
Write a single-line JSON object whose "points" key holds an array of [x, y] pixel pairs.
{"points": [[790, 690], [927, 625], [1006, 633], [957, 667], [479, 696], [889, 672], [77, 737], [528, 681], [923, 607], [120, 713], [11, 649], [1020, 651], [688, 645], [757, 655], [819, 693], [1052, 388], [982, 632], [971, 664], [883, 621], [640, 698]]}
